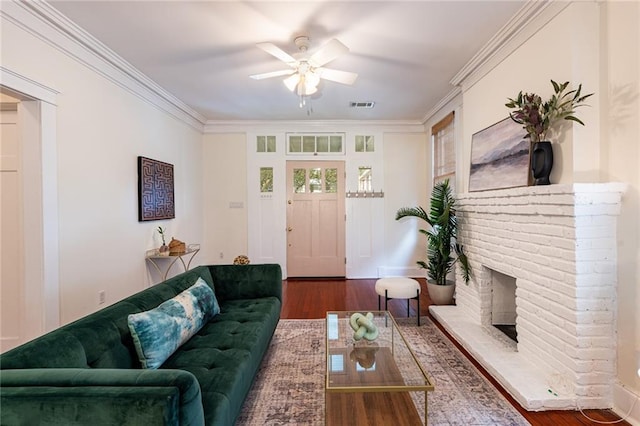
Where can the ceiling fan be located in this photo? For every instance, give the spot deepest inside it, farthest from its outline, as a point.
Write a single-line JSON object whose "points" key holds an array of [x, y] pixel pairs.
{"points": [[306, 70]]}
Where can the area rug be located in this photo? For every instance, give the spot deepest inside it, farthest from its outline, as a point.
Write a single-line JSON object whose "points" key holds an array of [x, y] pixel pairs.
{"points": [[289, 387]]}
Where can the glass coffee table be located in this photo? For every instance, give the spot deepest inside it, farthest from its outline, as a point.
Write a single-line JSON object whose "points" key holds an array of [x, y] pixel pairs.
{"points": [[369, 382]]}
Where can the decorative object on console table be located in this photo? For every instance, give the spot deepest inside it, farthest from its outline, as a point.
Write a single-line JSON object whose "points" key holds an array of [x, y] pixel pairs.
{"points": [[441, 240], [164, 249], [538, 118], [155, 190], [177, 247]]}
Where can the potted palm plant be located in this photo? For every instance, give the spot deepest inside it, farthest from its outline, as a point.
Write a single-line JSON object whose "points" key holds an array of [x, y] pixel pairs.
{"points": [[538, 117], [443, 251]]}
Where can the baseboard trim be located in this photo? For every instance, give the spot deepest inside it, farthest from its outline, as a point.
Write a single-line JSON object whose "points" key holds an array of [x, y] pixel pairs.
{"points": [[400, 271], [626, 403]]}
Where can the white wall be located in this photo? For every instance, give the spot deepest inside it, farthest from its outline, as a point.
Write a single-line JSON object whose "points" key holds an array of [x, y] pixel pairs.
{"points": [[621, 153], [530, 69], [225, 182], [598, 45], [101, 129], [407, 165]]}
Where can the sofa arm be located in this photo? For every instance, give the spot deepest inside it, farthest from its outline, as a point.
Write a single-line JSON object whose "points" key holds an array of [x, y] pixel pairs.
{"points": [[69, 396], [247, 281]]}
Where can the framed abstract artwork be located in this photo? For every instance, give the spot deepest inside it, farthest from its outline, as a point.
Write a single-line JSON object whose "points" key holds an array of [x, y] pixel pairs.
{"points": [[155, 190], [499, 157]]}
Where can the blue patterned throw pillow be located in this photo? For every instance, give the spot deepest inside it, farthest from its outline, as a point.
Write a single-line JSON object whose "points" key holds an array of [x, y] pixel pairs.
{"points": [[159, 332]]}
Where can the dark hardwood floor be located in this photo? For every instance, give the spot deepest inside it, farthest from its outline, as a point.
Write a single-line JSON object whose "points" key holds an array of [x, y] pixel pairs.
{"points": [[312, 298]]}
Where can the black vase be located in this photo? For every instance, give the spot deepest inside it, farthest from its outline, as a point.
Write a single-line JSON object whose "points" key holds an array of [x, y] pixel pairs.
{"points": [[541, 162]]}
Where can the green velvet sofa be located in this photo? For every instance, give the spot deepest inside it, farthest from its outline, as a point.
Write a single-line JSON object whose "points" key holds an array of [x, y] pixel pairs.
{"points": [[88, 372]]}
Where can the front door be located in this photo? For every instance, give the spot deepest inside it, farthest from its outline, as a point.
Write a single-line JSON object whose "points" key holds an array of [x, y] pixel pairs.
{"points": [[315, 219]]}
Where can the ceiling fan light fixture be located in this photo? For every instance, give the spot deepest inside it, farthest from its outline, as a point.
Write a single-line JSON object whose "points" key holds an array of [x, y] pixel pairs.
{"points": [[309, 90], [311, 79], [306, 87], [306, 71], [292, 81]]}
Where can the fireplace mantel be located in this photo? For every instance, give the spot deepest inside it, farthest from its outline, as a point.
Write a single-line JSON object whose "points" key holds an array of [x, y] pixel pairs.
{"points": [[559, 243]]}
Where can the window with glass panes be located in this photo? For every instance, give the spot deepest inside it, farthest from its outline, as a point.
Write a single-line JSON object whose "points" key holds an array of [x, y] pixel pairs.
{"points": [[365, 143], [265, 144], [316, 179], [444, 153], [323, 144]]}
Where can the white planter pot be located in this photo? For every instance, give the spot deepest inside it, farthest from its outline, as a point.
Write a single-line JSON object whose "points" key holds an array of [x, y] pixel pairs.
{"points": [[441, 294]]}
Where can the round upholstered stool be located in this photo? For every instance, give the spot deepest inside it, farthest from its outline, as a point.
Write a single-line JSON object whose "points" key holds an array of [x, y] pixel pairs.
{"points": [[398, 288]]}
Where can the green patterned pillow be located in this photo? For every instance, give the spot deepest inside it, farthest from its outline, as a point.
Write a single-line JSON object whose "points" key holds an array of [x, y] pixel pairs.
{"points": [[159, 332]]}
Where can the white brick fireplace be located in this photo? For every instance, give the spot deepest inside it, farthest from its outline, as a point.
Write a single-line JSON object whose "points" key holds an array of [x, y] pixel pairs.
{"points": [[559, 243]]}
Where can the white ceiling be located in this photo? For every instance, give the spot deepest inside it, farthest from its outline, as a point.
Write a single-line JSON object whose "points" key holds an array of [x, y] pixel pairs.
{"points": [[203, 52]]}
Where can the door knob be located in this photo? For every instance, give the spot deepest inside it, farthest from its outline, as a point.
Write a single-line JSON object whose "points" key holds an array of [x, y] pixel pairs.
{"points": [[289, 229]]}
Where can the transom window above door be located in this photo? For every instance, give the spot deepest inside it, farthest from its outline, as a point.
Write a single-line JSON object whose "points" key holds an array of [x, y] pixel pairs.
{"points": [[315, 143]]}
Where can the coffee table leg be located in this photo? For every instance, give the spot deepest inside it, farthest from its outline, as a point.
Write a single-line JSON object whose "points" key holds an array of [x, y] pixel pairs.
{"points": [[418, 297], [386, 298], [426, 410]]}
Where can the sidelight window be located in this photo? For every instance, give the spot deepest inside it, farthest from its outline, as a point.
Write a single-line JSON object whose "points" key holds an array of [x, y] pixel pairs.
{"points": [[266, 179]]}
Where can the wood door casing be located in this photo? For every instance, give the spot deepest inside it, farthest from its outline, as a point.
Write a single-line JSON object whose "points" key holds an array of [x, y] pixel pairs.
{"points": [[315, 221]]}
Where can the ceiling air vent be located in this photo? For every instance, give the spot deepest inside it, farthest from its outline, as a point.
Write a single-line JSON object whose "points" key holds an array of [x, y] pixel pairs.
{"points": [[368, 105]]}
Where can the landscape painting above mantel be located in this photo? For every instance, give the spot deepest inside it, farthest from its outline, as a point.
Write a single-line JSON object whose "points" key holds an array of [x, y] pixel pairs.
{"points": [[499, 157]]}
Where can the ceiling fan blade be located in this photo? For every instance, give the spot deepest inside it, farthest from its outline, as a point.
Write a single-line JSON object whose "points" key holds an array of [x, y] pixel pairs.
{"points": [[272, 74], [274, 50], [328, 53], [344, 77]]}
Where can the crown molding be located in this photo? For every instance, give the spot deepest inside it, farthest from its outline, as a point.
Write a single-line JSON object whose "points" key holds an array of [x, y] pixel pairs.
{"points": [[534, 15], [441, 104], [43, 21], [243, 126]]}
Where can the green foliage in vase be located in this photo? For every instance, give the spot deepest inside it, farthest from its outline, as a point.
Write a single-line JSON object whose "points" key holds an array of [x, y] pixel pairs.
{"points": [[161, 232], [441, 238], [537, 117]]}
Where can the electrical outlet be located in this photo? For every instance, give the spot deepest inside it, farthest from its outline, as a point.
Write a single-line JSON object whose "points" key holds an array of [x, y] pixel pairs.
{"points": [[102, 297], [221, 255]]}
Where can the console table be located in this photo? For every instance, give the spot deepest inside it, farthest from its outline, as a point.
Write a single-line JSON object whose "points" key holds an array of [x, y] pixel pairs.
{"points": [[154, 256]]}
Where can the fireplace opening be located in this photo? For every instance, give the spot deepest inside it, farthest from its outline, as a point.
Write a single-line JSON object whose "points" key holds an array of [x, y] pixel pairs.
{"points": [[503, 304]]}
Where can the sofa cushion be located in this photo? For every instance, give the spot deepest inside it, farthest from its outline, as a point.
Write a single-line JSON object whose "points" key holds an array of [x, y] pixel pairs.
{"points": [[226, 353], [159, 332]]}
